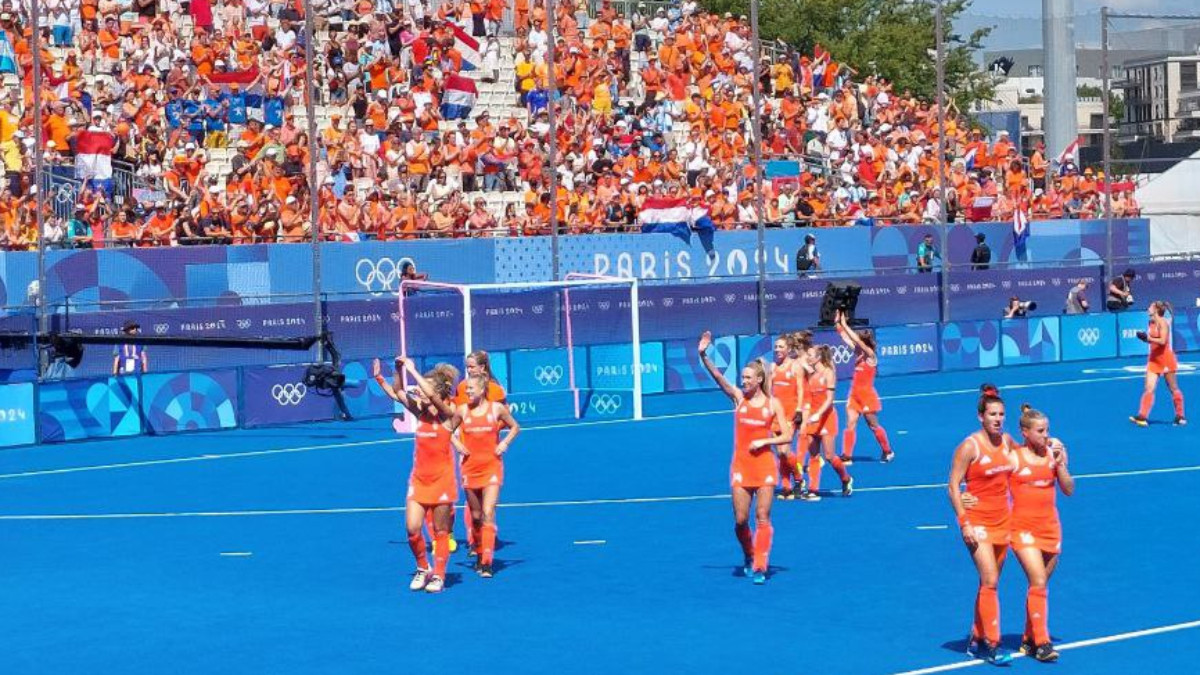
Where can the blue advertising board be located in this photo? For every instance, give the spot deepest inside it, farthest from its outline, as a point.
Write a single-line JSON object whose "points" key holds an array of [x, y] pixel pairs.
{"points": [[278, 395], [885, 299], [543, 407], [1088, 336], [1025, 341], [1186, 330], [686, 373], [16, 415], [611, 368], [543, 370], [204, 401], [1128, 325], [907, 349], [600, 404], [91, 408], [984, 294], [970, 345]]}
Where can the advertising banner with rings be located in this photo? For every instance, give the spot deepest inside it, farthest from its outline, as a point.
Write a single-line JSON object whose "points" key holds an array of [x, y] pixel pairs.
{"points": [[1025, 341], [984, 294], [602, 404], [1088, 336], [542, 370], [278, 395], [907, 349], [611, 367]]}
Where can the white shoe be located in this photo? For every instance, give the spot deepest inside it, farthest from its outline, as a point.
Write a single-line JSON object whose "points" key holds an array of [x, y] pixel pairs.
{"points": [[420, 579], [435, 585]]}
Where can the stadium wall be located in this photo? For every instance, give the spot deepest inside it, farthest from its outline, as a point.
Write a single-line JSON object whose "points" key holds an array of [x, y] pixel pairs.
{"points": [[212, 275]]}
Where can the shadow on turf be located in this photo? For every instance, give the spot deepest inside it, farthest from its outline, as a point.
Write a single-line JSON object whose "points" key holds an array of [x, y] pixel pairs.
{"points": [[737, 571], [1011, 642]]}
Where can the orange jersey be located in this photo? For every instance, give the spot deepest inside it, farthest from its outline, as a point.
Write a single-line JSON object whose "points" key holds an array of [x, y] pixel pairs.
{"points": [[480, 435], [752, 423], [1162, 356], [817, 393], [1034, 521], [786, 387], [863, 397], [495, 393], [987, 479], [432, 479]]}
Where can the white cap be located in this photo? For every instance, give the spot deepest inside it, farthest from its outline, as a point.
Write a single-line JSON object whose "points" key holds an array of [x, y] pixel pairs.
{"points": [[189, 146], [1003, 132], [291, 199], [214, 189]]}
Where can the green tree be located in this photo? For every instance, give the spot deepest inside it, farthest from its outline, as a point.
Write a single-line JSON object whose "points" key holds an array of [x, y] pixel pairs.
{"points": [[890, 38]]}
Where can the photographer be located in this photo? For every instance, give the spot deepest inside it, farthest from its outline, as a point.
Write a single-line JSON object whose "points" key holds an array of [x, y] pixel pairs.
{"points": [[926, 252], [1018, 309], [1120, 292], [808, 259], [1076, 301]]}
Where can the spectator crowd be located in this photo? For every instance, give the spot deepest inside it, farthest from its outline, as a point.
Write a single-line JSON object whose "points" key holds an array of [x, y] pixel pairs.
{"points": [[656, 101]]}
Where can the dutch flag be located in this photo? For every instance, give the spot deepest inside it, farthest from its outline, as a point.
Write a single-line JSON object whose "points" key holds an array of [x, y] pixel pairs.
{"points": [[1021, 225], [467, 46], [1069, 153], [93, 155], [459, 97], [669, 215], [970, 159]]}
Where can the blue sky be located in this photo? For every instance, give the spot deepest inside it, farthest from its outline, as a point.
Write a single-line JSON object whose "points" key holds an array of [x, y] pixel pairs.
{"points": [[1017, 23]]}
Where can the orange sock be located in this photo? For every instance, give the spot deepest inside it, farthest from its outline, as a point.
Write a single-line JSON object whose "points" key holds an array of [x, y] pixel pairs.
{"points": [[849, 436], [416, 542], [840, 468], [1147, 404], [742, 532], [1037, 610], [881, 436], [987, 614], [1177, 399], [814, 473], [441, 553], [762, 545], [487, 545]]}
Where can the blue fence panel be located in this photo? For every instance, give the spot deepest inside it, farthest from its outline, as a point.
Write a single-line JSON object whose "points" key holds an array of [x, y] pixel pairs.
{"points": [[17, 415], [611, 367], [908, 349], [984, 294], [540, 408], [1186, 330], [96, 408], [1026, 341], [175, 402], [686, 373], [543, 370], [1088, 336], [600, 404], [1129, 323], [278, 395], [969, 345]]}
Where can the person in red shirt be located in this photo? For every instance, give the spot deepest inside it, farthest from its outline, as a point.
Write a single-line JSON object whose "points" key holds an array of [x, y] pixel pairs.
{"points": [[753, 472], [432, 485]]}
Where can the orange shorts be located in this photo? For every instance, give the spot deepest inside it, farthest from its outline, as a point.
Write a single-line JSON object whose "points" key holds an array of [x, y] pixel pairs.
{"points": [[479, 475], [1167, 363], [754, 471], [826, 426], [441, 490], [864, 401]]}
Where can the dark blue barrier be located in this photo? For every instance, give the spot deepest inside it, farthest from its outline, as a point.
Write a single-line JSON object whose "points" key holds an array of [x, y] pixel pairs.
{"points": [[1088, 336], [17, 415], [278, 395], [908, 349], [1026, 341], [176, 402], [1176, 282], [984, 294], [95, 408], [885, 300], [970, 345]]}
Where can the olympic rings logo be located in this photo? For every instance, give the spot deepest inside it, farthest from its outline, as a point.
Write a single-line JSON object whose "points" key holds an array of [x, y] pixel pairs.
{"points": [[380, 276], [604, 305], [842, 354], [668, 302], [161, 328], [606, 404], [730, 298], [548, 376], [1088, 337], [291, 393]]}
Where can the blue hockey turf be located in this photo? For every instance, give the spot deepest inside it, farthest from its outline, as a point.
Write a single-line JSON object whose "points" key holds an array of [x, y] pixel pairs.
{"points": [[282, 550]]}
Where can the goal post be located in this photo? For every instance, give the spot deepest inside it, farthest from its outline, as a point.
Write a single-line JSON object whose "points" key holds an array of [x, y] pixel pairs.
{"points": [[558, 322]]}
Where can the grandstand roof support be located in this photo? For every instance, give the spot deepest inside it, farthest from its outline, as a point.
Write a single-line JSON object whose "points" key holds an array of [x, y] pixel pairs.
{"points": [[940, 39], [756, 155], [1105, 94], [1058, 36]]}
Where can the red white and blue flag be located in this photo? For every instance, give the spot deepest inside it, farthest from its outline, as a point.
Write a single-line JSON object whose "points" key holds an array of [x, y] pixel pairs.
{"points": [[467, 46], [93, 154], [1021, 224], [458, 97], [1069, 153], [669, 215]]}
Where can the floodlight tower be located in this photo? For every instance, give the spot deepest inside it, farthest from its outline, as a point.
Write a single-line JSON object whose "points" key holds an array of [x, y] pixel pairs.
{"points": [[1058, 45]]}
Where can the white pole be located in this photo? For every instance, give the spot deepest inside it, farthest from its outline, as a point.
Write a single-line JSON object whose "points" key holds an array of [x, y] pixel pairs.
{"points": [[468, 337], [636, 326]]}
